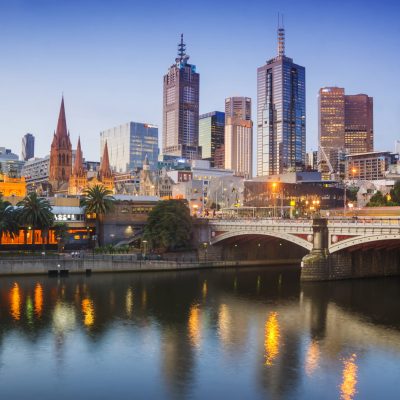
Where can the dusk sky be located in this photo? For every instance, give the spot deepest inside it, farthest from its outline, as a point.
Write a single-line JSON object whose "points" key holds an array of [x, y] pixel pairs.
{"points": [[109, 58]]}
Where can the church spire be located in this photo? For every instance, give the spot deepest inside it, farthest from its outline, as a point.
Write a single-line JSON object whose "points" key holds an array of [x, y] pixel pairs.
{"points": [[62, 122], [105, 169], [78, 164]]}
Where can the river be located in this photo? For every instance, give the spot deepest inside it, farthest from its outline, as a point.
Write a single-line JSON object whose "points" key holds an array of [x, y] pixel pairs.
{"points": [[248, 333]]}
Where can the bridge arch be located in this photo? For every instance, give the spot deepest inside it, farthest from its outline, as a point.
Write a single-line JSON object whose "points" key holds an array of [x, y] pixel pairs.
{"points": [[361, 240], [277, 235]]}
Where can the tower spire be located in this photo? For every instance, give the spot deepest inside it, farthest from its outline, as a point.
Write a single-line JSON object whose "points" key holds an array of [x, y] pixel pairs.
{"points": [[105, 169], [62, 122], [281, 37], [78, 165], [182, 56]]}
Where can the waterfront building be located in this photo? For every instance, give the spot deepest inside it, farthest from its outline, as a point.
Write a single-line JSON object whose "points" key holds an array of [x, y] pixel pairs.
{"points": [[129, 144], [238, 147], [181, 108], [281, 114], [28, 147], [371, 166], [345, 127], [211, 134], [359, 131], [60, 155]]}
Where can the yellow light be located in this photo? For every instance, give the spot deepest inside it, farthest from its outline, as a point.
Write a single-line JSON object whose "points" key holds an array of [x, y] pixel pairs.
{"points": [[129, 302], [312, 358], [349, 378], [224, 323], [38, 297], [15, 300], [204, 289], [88, 312], [271, 338], [194, 325]]}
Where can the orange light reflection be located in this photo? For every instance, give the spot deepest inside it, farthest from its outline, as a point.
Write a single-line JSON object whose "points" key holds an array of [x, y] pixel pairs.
{"points": [[271, 338], [88, 312], [38, 297], [349, 378], [15, 302]]}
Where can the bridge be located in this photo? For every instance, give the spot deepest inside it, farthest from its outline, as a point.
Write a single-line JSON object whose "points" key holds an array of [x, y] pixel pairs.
{"points": [[328, 242]]}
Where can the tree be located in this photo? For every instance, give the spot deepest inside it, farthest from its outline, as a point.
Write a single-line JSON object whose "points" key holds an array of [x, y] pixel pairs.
{"points": [[35, 212], [97, 200], [61, 232], [395, 193], [169, 225], [377, 200], [8, 221]]}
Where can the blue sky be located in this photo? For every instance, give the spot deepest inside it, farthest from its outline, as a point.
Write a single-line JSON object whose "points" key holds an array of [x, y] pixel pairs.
{"points": [[109, 57]]}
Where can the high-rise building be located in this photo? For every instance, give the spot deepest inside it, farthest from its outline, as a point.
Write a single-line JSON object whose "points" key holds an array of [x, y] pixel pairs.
{"points": [[181, 108], [129, 144], [28, 147], [60, 153], [211, 134], [281, 114], [238, 147], [359, 131], [345, 127]]}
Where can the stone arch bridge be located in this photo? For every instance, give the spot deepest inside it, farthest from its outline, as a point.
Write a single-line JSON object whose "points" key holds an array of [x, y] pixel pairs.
{"points": [[333, 244]]}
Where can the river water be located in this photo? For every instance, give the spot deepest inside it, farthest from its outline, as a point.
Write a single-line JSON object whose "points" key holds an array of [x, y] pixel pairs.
{"points": [[249, 333]]}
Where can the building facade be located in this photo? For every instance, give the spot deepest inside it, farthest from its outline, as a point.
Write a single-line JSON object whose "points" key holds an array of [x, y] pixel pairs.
{"points": [[28, 147], [181, 108], [281, 114], [359, 131], [10, 165], [211, 134], [60, 154], [371, 166], [238, 146], [129, 144]]}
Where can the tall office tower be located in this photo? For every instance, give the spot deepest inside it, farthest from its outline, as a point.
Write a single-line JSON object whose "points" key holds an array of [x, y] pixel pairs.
{"points": [[359, 131], [281, 114], [129, 144], [181, 108], [238, 145], [60, 153], [331, 126], [211, 134], [28, 147]]}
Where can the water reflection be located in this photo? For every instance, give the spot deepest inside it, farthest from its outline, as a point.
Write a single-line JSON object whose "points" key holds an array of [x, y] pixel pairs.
{"points": [[15, 302], [349, 378], [183, 334], [271, 338]]}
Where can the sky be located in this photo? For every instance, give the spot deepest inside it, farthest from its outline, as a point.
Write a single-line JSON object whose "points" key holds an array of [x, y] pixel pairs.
{"points": [[108, 58]]}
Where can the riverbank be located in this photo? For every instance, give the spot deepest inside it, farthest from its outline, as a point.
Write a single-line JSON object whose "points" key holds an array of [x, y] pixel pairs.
{"points": [[116, 263]]}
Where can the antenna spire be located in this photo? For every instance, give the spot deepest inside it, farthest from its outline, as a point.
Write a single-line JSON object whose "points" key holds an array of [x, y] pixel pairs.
{"points": [[281, 37], [181, 48]]}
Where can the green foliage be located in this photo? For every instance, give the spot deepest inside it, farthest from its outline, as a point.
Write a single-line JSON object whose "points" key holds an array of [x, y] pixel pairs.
{"points": [[169, 226], [98, 200], [36, 212], [8, 221], [390, 200], [61, 231], [378, 200]]}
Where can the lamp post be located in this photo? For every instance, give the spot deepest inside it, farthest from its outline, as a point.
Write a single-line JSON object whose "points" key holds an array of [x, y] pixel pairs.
{"points": [[144, 248]]}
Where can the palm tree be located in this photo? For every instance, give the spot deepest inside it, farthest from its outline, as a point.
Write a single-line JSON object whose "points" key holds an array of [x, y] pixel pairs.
{"points": [[36, 212], [8, 221], [97, 200]]}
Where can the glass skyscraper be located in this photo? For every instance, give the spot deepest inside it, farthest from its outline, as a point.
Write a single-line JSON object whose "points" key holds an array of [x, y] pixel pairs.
{"points": [[28, 147], [211, 134], [281, 114], [181, 108], [128, 145]]}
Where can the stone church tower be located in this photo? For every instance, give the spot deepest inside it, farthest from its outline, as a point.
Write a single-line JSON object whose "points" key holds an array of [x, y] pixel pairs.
{"points": [[78, 180], [60, 154]]}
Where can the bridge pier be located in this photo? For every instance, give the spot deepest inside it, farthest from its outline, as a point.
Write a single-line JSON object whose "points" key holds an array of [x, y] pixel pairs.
{"points": [[319, 265]]}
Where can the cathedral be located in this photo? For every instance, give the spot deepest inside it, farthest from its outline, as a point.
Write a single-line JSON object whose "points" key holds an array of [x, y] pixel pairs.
{"points": [[68, 176]]}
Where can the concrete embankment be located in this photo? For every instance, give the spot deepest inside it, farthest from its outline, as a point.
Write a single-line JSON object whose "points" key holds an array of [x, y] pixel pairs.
{"points": [[25, 266]]}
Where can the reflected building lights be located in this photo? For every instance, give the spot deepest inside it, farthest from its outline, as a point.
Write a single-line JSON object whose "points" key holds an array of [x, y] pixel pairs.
{"points": [[29, 309], [204, 290], [63, 317], [271, 338], [144, 298], [129, 302], [15, 302], [349, 378], [224, 323], [38, 298], [88, 312], [312, 358], [194, 325]]}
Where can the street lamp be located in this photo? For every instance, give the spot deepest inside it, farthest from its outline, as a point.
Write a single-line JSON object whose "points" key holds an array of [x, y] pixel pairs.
{"points": [[144, 248], [274, 186]]}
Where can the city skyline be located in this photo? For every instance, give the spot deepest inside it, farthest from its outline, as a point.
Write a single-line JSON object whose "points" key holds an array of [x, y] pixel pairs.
{"points": [[99, 93]]}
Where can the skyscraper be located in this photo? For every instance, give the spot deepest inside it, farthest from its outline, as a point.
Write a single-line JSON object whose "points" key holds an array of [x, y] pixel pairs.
{"points": [[359, 131], [28, 147], [211, 134], [281, 114], [181, 108], [60, 153], [238, 145], [345, 127], [129, 144]]}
